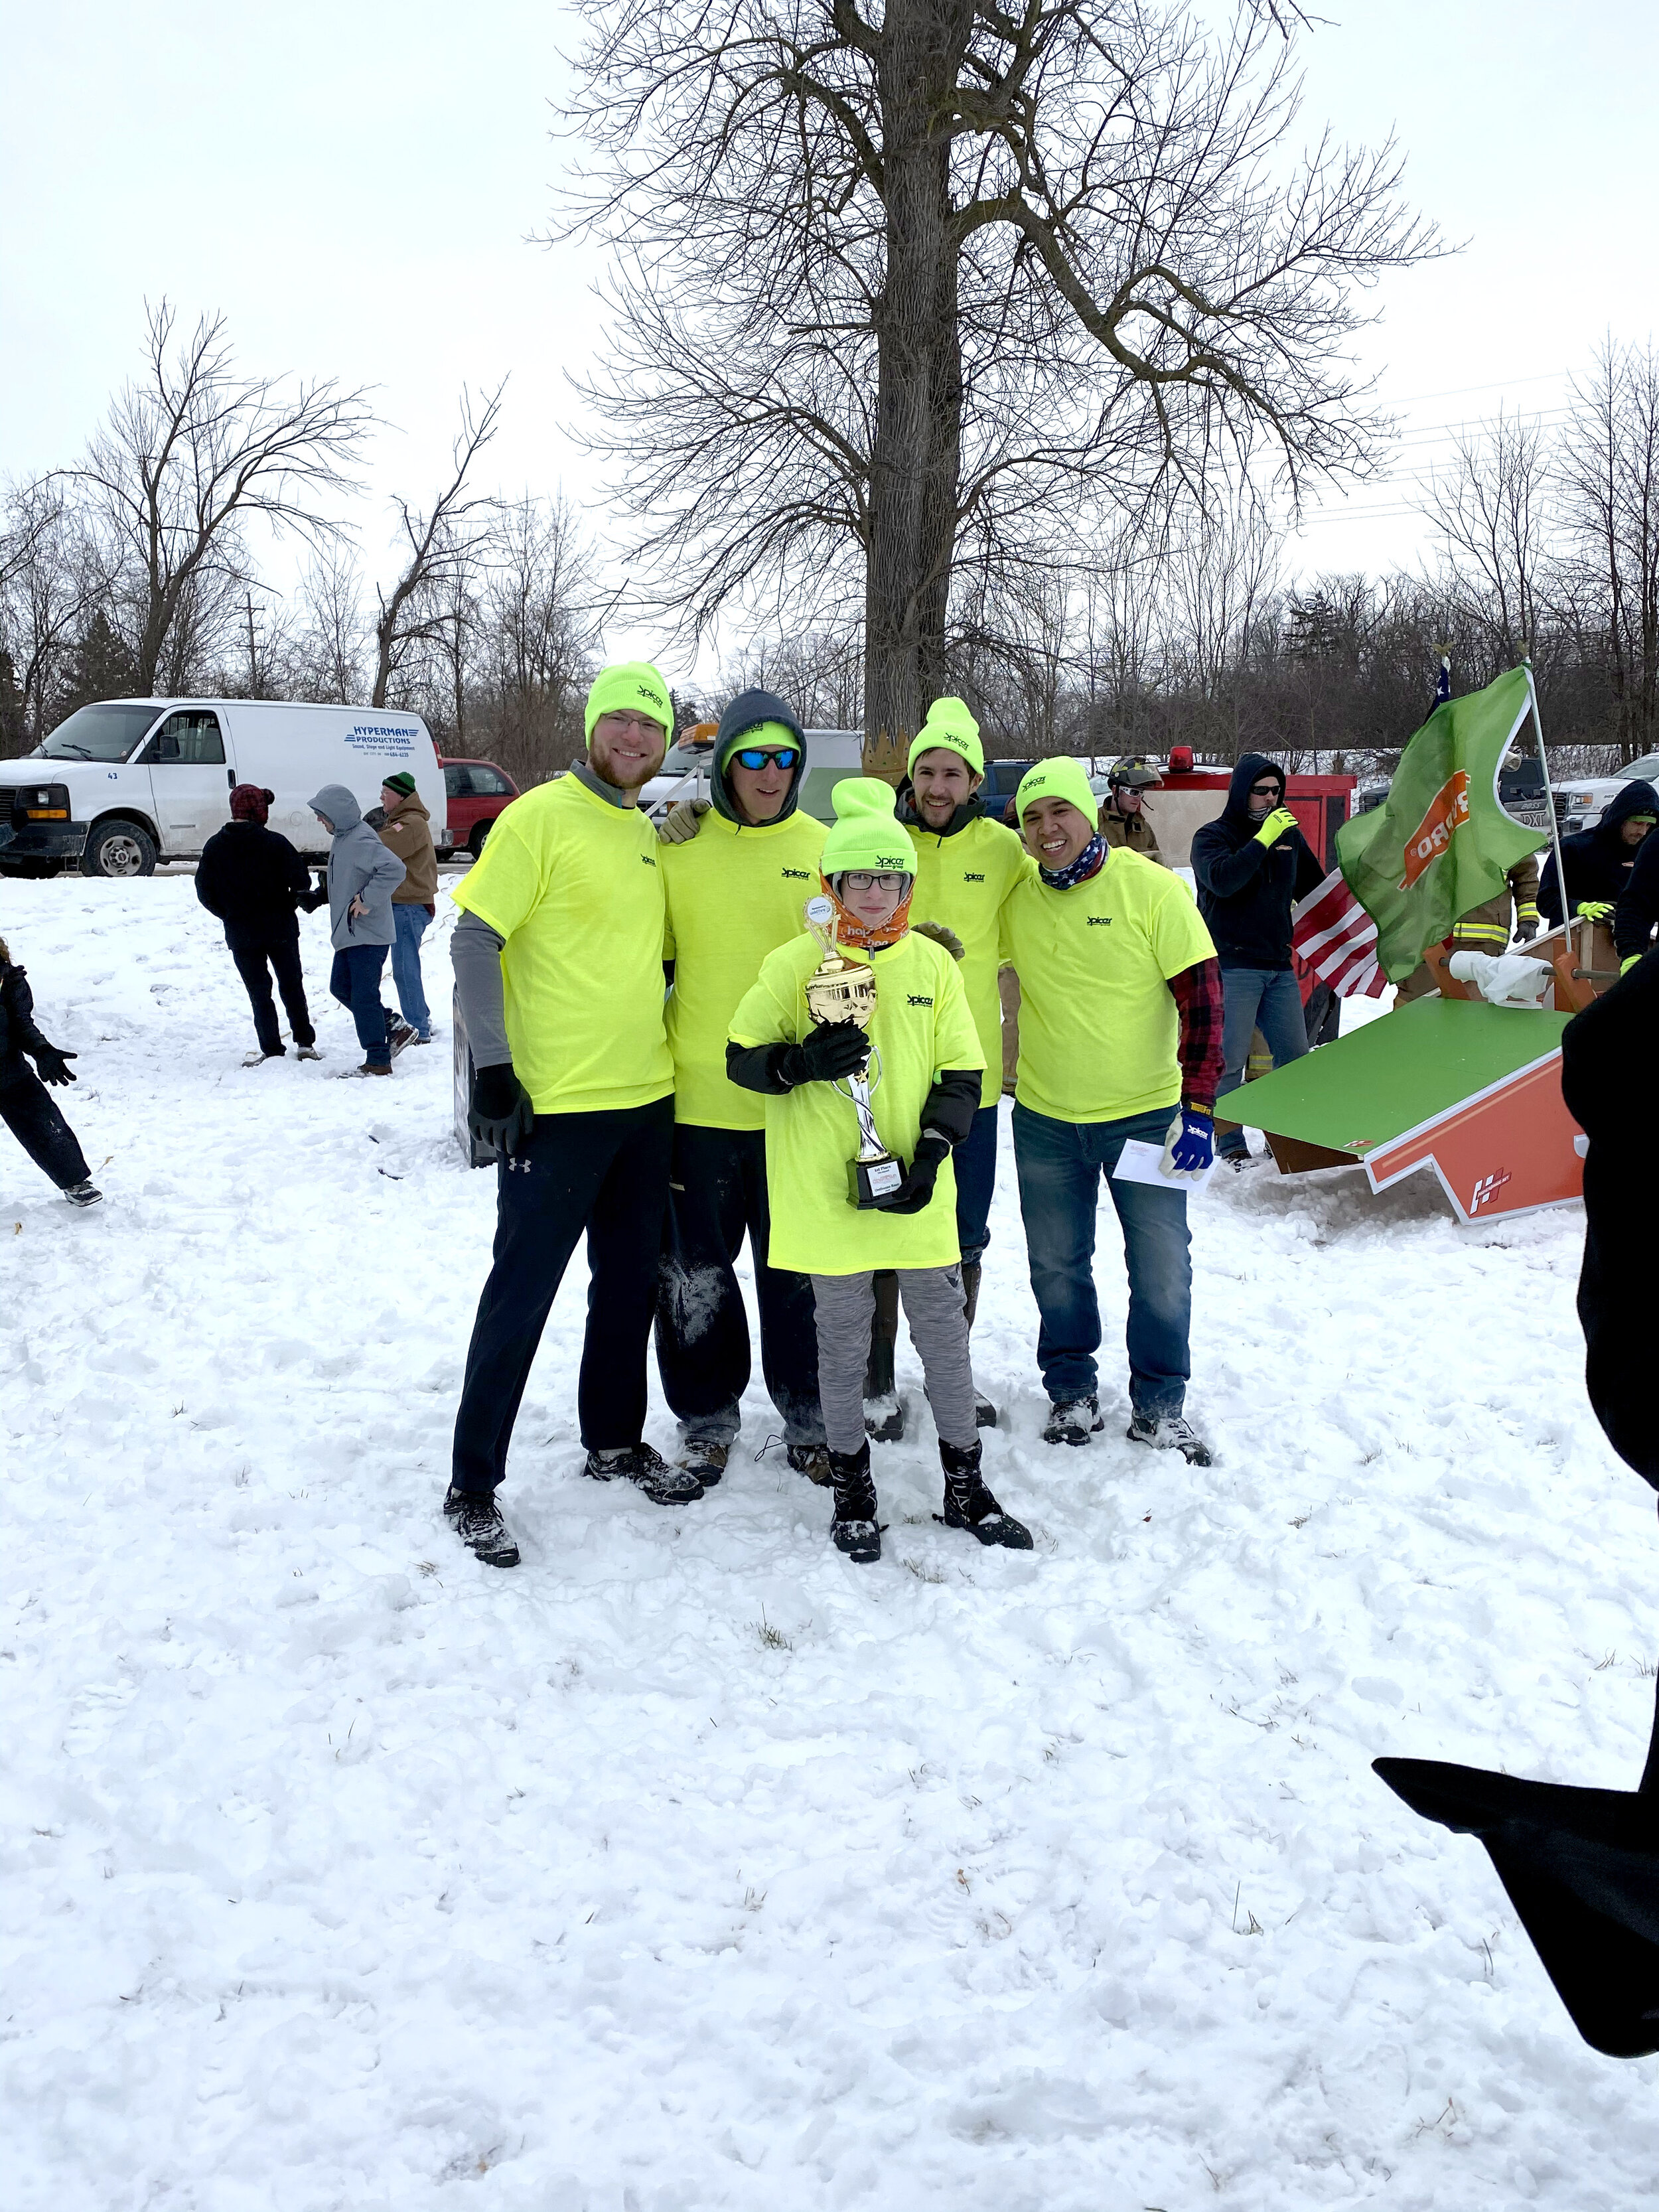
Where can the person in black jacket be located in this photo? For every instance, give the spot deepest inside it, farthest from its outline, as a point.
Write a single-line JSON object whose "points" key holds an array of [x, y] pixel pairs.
{"points": [[1599, 860], [1252, 864], [252, 879], [26, 1110], [1639, 905]]}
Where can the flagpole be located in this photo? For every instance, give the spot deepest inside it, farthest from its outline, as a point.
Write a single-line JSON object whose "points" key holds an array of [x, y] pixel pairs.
{"points": [[1549, 802]]}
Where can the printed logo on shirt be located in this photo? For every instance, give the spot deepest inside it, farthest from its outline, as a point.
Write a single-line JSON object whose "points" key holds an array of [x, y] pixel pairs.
{"points": [[1098, 920], [800, 875], [967, 878], [916, 1001], [647, 858]]}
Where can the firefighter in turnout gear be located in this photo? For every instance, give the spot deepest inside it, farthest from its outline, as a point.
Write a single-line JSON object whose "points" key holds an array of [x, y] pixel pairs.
{"points": [[1485, 928], [1122, 820]]}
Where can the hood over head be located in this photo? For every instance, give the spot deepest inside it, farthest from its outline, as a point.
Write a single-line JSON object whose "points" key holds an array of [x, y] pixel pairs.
{"points": [[1633, 797], [1250, 766], [337, 804], [748, 716]]}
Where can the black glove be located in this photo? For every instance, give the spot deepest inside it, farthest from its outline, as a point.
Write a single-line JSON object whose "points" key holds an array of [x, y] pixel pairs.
{"points": [[830, 1049], [499, 1112], [917, 1189], [54, 1065]]}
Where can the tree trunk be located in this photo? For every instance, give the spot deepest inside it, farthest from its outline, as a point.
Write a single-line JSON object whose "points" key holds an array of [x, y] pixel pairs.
{"points": [[915, 458]]}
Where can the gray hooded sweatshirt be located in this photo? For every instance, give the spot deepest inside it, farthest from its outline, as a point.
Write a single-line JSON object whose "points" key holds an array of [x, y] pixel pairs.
{"points": [[359, 866]]}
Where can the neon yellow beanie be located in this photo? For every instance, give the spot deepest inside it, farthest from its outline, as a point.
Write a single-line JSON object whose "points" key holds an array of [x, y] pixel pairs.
{"points": [[1061, 778], [863, 834], [949, 723], [758, 733], [635, 687]]}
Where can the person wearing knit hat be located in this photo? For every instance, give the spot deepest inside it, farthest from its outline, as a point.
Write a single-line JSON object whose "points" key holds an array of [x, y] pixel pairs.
{"points": [[921, 1056], [734, 883], [558, 975], [1120, 1031], [966, 866], [252, 879], [405, 828]]}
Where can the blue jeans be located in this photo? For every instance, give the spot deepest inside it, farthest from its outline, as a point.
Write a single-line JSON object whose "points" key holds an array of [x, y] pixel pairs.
{"points": [[976, 1166], [410, 922], [1061, 1165], [1264, 999], [354, 981]]}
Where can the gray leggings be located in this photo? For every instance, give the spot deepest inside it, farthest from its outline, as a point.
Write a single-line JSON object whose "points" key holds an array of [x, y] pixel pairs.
{"points": [[938, 1329]]}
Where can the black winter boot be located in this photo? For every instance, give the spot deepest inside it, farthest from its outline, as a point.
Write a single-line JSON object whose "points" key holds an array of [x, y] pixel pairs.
{"points": [[884, 1409], [854, 1527], [478, 1523], [985, 1413], [639, 1464], [969, 1504]]}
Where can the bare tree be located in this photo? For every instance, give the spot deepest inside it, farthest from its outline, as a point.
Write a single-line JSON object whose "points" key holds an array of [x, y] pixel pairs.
{"points": [[1491, 508], [443, 543], [540, 633], [53, 574], [1610, 483], [191, 452], [908, 289], [329, 646]]}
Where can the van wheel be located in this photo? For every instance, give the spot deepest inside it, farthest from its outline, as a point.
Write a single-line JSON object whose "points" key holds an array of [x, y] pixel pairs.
{"points": [[474, 843], [119, 848]]}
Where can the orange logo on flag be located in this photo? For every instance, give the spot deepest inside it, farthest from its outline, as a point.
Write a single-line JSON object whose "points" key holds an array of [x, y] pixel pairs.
{"points": [[1447, 810]]}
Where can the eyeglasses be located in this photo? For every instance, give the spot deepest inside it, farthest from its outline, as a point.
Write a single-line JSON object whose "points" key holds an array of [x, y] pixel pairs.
{"points": [[645, 724], [754, 757], [859, 881]]}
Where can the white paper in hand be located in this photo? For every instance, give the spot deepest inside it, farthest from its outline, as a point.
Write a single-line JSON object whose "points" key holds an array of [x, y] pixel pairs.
{"points": [[1143, 1163]]}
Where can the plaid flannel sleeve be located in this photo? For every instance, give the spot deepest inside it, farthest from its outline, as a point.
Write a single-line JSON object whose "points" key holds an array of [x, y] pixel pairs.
{"points": [[1197, 994]]}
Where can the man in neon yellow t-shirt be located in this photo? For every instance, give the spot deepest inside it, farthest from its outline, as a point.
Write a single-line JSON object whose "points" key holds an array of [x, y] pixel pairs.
{"points": [[924, 1064], [735, 890], [558, 965], [1119, 1041]]}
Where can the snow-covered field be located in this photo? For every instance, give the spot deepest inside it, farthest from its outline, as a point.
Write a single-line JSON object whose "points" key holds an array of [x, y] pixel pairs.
{"points": [[691, 1867]]}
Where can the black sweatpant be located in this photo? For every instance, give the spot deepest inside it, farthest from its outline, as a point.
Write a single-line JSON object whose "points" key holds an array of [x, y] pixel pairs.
{"points": [[717, 1197], [284, 959], [27, 1110], [606, 1174]]}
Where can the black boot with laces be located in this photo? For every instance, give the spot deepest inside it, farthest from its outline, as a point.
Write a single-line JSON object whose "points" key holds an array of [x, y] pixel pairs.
{"points": [[479, 1525], [854, 1528], [648, 1471], [969, 1504]]}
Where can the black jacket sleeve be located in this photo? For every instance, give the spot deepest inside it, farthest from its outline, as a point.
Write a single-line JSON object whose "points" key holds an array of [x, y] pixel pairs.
{"points": [[1633, 924], [952, 1103], [25, 1036], [755, 1067], [1225, 870]]}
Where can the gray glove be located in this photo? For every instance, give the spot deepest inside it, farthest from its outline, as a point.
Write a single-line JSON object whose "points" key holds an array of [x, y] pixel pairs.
{"points": [[682, 822]]}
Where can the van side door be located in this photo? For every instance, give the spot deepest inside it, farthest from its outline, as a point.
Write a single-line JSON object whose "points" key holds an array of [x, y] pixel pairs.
{"points": [[190, 780]]}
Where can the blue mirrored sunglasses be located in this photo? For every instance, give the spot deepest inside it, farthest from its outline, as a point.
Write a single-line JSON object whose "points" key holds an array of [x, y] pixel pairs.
{"points": [[756, 756]]}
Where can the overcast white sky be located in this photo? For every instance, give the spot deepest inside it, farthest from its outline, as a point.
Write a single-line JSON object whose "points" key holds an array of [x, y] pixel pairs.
{"points": [[355, 184]]}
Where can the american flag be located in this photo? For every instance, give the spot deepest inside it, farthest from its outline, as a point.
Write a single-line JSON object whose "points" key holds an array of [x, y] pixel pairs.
{"points": [[1337, 939]]}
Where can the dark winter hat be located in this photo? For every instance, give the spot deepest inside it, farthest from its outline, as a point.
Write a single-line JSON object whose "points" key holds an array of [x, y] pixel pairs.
{"points": [[249, 803], [403, 781], [747, 716]]}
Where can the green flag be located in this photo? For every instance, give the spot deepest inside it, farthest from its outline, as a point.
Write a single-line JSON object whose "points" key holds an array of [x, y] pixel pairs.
{"points": [[1440, 843]]}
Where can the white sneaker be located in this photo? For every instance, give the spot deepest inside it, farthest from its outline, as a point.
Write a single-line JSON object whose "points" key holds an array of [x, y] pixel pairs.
{"points": [[309, 1052], [259, 1059]]}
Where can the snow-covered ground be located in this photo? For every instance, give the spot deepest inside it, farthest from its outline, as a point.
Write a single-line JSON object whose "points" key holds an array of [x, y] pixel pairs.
{"points": [[691, 1867]]}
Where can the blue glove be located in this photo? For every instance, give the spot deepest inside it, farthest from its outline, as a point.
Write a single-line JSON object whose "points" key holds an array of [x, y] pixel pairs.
{"points": [[1189, 1148]]}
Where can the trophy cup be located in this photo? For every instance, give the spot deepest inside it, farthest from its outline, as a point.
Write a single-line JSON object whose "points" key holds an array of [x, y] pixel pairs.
{"points": [[842, 990]]}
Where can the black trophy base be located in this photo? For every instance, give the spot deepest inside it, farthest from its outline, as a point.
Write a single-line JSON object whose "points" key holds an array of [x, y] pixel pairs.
{"points": [[874, 1182]]}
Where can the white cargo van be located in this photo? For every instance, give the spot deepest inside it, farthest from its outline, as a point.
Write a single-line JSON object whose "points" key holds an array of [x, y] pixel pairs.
{"points": [[129, 781]]}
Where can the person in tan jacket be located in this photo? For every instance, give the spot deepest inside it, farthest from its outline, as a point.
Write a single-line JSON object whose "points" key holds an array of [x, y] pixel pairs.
{"points": [[1122, 820], [407, 831]]}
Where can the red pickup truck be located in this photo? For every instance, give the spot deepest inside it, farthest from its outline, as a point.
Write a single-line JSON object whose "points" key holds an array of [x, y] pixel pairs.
{"points": [[477, 791]]}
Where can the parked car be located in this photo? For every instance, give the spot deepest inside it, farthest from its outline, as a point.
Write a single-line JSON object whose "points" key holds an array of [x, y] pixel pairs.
{"points": [[1580, 802], [475, 791], [124, 783], [1001, 782]]}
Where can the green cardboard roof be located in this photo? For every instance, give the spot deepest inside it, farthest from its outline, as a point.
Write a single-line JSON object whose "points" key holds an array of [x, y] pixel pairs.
{"points": [[1394, 1073]]}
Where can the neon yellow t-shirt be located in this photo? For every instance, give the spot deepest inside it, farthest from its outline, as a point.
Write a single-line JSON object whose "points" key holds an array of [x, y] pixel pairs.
{"points": [[922, 1026], [733, 893], [1098, 1027], [963, 881], [572, 885]]}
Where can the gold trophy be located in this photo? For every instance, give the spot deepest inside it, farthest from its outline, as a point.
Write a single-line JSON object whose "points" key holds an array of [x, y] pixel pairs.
{"points": [[842, 990]]}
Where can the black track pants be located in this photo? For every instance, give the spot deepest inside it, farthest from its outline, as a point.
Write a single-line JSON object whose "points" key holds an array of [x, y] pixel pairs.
{"points": [[605, 1174], [284, 959], [27, 1110]]}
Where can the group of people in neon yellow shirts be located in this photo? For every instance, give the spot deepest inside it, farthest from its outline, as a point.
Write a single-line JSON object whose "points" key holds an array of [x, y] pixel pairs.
{"points": [[668, 1125]]}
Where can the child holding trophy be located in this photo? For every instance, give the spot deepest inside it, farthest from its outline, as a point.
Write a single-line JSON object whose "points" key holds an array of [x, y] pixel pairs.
{"points": [[859, 1035]]}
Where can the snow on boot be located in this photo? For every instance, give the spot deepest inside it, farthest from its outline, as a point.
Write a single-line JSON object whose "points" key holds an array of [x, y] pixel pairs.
{"points": [[83, 1194], [811, 1460], [1170, 1432], [259, 1059], [884, 1409], [639, 1464], [1072, 1421], [479, 1525], [985, 1413], [309, 1052], [969, 1504], [854, 1527], [704, 1459], [397, 1035], [350, 1074]]}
